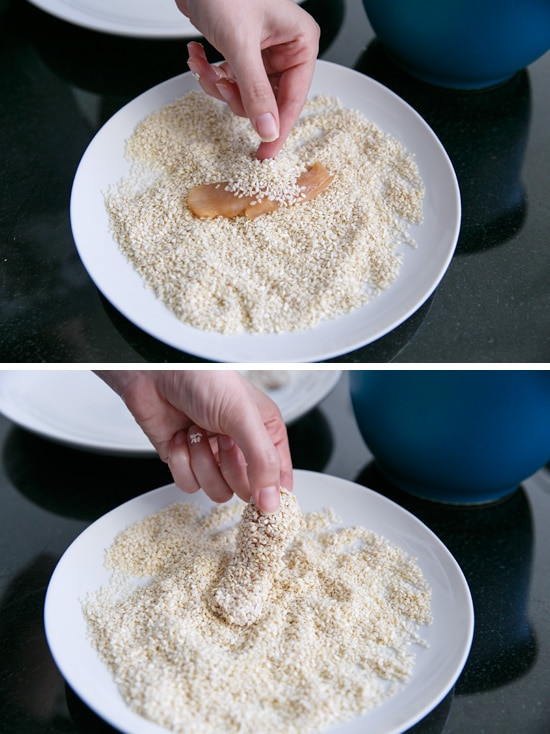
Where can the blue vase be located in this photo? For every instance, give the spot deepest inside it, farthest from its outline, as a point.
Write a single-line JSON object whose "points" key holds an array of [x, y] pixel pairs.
{"points": [[460, 436]]}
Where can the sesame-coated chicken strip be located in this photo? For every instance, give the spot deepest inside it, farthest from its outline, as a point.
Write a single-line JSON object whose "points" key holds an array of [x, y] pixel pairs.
{"points": [[261, 543]]}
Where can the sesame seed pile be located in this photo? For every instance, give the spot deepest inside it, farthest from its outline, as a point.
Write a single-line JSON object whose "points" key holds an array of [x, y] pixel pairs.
{"points": [[334, 638], [274, 179], [284, 271]]}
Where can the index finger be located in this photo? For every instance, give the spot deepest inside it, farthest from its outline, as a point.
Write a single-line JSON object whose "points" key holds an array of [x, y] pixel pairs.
{"points": [[294, 86], [257, 96]]}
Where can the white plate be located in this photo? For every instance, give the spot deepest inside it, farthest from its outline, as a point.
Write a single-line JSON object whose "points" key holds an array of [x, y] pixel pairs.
{"points": [[136, 18], [104, 164], [76, 408], [437, 667]]}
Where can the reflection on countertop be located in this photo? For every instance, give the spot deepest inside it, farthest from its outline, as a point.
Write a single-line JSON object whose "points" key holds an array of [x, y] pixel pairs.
{"points": [[31, 687], [485, 134], [85, 485], [74, 483]]}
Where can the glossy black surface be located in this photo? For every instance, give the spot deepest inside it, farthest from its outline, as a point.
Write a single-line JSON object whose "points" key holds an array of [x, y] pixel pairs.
{"points": [[49, 493], [60, 83]]}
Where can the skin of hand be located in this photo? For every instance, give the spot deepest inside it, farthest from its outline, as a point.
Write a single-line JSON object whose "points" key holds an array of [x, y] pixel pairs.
{"points": [[270, 48], [214, 429]]}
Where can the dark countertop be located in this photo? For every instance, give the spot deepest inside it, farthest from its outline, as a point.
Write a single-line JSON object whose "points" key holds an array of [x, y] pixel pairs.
{"points": [[60, 83], [49, 493]]}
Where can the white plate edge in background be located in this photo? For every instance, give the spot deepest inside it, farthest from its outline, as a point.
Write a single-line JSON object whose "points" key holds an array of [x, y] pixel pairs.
{"points": [[169, 23], [128, 19]]}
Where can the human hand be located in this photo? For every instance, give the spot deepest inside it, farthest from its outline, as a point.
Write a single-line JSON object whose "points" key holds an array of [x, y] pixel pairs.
{"points": [[270, 48], [213, 428]]}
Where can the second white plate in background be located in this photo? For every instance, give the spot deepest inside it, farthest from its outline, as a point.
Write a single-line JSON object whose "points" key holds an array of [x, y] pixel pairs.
{"points": [[76, 408]]}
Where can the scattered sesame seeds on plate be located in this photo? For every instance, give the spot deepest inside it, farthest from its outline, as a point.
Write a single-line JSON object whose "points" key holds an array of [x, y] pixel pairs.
{"points": [[104, 164]]}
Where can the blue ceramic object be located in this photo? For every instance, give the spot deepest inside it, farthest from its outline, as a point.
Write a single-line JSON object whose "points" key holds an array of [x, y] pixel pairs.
{"points": [[460, 436], [463, 44]]}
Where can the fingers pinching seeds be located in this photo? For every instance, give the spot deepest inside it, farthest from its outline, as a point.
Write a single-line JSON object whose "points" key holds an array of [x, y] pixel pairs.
{"points": [[216, 80], [205, 467], [179, 462]]}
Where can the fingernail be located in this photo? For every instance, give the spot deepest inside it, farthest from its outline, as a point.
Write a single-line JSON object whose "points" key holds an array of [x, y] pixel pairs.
{"points": [[194, 69], [267, 127], [269, 499], [225, 442], [178, 440], [226, 88]]}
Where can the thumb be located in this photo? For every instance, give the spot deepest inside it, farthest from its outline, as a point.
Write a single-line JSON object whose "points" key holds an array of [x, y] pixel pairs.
{"points": [[264, 466], [263, 442]]}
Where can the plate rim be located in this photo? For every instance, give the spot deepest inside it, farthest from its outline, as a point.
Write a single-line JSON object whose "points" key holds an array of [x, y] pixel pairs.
{"points": [[156, 499], [158, 321], [10, 379]]}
